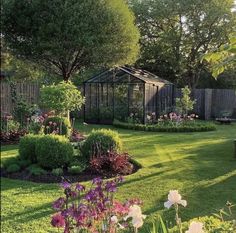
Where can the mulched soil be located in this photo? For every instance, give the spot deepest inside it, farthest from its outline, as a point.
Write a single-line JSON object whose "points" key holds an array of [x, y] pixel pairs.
{"points": [[50, 178]]}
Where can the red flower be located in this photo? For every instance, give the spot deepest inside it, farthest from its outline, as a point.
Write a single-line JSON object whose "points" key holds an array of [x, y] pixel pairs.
{"points": [[58, 220]]}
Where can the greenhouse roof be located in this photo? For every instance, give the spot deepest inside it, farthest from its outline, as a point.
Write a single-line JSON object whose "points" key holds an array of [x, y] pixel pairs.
{"points": [[118, 74]]}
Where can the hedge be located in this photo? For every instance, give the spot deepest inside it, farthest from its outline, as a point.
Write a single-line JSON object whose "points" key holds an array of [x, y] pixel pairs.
{"points": [[196, 127]]}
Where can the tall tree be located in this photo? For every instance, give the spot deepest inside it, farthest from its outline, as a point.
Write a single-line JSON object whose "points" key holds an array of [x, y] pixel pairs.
{"points": [[223, 58], [66, 35], [176, 33]]}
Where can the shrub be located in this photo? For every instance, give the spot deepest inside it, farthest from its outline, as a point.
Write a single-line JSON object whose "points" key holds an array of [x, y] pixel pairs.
{"points": [[185, 104], [57, 171], [53, 151], [112, 163], [76, 169], [13, 168], [27, 147], [24, 163], [101, 141], [57, 125], [8, 124], [23, 110], [36, 170]]}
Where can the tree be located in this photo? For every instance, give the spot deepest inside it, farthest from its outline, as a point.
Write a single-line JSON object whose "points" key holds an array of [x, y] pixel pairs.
{"points": [[176, 33], [67, 35], [16, 68], [185, 104], [61, 98], [223, 58]]}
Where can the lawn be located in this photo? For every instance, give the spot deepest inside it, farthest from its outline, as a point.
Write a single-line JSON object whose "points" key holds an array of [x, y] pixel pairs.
{"points": [[199, 165]]}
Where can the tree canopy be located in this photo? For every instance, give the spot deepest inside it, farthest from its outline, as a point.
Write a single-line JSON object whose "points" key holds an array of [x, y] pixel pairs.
{"points": [[66, 35], [223, 58], [176, 33], [18, 69], [61, 97]]}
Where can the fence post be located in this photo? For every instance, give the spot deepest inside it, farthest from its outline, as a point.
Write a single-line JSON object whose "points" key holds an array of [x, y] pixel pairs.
{"points": [[235, 148], [208, 104]]}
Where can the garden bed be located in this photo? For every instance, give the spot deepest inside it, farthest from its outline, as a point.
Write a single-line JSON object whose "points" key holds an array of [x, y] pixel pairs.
{"points": [[198, 126], [86, 175]]}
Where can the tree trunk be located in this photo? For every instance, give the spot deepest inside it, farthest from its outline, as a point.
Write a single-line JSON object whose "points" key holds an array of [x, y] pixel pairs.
{"points": [[65, 78], [65, 75]]}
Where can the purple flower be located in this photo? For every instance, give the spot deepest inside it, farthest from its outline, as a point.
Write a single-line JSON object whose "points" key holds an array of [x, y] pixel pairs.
{"points": [[97, 181], [72, 194], [79, 187], [58, 204], [110, 186], [65, 184], [91, 195], [120, 179], [58, 220]]}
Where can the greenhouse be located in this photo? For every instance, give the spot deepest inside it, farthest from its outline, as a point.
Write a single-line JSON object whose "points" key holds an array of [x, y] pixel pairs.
{"points": [[124, 92]]}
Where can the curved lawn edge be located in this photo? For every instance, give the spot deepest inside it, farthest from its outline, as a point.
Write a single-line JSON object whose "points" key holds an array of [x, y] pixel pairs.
{"points": [[198, 127]]}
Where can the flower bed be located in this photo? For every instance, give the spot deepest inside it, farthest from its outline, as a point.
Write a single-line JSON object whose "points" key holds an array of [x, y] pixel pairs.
{"points": [[97, 210], [39, 175], [197, 126]]}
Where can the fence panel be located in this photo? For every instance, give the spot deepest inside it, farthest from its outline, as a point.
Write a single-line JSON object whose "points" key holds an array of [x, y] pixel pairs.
{"points": [[223, 102], [212, 103], [28, 91]]}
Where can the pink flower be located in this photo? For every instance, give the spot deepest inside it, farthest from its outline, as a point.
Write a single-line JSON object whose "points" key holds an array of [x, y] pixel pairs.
{"points": [[58, 220], [119, 208], [50, 122], [54, 124]]}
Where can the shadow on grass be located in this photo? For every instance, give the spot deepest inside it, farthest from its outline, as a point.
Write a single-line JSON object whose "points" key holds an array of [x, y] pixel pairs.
{"points": [[31, 214]]}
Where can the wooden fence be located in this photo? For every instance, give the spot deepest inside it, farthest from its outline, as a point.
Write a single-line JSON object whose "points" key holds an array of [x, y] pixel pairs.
{"points": [[210, 103], [28, 91]]}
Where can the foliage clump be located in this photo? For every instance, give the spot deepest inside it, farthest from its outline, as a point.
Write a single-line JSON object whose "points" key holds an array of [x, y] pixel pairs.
{"points": [[185, 104], [61, 98], [57, 171], [53, 151], [13, 168], [27, 147], [100, 142]]}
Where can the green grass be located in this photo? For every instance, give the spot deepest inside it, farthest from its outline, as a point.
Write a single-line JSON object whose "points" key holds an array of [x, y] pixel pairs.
{"points": [[199, 165]]}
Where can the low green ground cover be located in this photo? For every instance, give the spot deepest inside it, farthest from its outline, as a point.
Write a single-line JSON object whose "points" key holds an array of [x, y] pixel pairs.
{"points": [[200, 165], [195, 126]]}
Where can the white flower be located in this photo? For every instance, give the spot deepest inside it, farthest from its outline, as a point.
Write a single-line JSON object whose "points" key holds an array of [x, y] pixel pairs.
{"points": [[136, 214], [195, 227], [174, 198], [114, 219], [137, 222], [148, 117]]}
